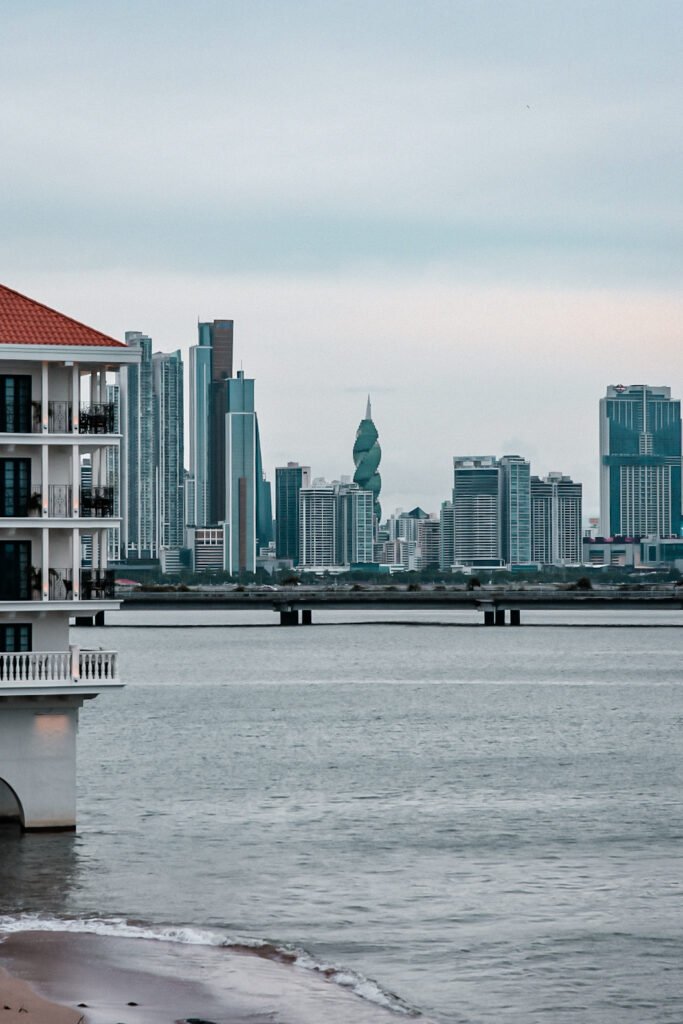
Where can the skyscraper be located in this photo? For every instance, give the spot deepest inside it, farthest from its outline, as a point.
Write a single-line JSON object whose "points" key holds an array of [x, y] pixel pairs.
{"points": [[555, 520], [516, 509], [211, 362], [477, 518], [138, 454], [335, 525], [289, 480], [169, 448], [366, 456], [640, 462]]}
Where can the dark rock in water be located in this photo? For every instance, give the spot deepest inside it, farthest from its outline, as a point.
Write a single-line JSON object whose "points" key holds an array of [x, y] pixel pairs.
{"points": [[131, 1004], [198, 1020]]}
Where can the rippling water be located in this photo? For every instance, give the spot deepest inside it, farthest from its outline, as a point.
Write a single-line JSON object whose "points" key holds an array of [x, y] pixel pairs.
{"points": [[485, 821]]}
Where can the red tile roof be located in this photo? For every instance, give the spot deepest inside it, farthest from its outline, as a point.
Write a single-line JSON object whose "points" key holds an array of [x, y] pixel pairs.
{"points": [[24, 321]]}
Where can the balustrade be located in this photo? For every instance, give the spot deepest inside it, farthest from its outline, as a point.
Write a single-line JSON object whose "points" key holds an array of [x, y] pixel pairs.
{"points": [[57, 667]]}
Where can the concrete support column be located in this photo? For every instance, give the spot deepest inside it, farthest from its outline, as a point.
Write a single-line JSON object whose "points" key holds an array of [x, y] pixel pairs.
{"points": [[45, 478], [45, 571], [43, 398], [515, 617], [489, 618], [76, 563], [306, 617], [75, 480], [75, 399], [500, 616], [289, 617]]}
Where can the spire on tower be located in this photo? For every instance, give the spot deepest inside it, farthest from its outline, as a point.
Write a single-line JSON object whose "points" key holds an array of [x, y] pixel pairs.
{"points": [[368, 411]]}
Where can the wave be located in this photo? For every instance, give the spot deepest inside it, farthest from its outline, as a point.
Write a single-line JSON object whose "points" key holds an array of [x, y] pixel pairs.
{"points": [[115, 927]]}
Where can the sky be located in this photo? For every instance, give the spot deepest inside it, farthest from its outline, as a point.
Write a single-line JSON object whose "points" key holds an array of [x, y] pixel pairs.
{"points": [[469, 209]]}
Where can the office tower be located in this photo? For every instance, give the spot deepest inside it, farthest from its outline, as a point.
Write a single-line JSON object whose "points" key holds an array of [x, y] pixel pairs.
{"points": [[211, 365], [289, 480], [318, 525], [169, 449], [477, 527], [248, 508], [200, 432], [447, 535], [427, 551], [53, 412], [336, 525], [366, 456], [516, 509], [404, 525], [640, 462], [138, 406], [355, 533], [555, 520]]}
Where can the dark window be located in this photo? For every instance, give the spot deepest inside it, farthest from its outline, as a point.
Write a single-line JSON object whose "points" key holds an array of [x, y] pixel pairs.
{"points": [[15, 580], [15, 404], [15, 637], [15, 486]]}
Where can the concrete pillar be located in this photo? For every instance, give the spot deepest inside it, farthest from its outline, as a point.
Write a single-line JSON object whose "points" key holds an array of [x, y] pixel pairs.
{"points": [[43, 398], [515, 617], [489, 617], [38, 763], [289, 617], [75, 399], [500, 616], [306, 617]]}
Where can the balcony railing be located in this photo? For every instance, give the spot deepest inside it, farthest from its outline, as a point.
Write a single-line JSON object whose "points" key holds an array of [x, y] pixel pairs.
{"points": [[97, 585], [93, 418], [97, 418], [97, 502], [58, 667]]}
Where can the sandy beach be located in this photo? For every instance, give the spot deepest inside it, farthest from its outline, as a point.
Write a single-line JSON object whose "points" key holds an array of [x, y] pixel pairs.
{"points": [[53, 977]]}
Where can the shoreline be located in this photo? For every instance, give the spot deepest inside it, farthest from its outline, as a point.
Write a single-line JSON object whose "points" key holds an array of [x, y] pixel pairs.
{"points": [[62, 977]]}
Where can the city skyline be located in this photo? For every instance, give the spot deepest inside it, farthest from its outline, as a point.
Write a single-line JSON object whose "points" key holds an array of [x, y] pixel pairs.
{"points": [[484, 197]]}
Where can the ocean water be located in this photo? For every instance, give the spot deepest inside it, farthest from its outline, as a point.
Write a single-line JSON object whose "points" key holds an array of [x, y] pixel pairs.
{"points": [[470, 824]]}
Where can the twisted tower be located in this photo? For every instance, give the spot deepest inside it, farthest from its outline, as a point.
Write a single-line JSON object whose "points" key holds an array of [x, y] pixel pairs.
{"points": [[366, 456]]}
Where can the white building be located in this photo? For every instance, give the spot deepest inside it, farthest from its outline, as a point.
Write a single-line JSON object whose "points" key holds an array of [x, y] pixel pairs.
{"points": [[336, 525], [54, 415]]}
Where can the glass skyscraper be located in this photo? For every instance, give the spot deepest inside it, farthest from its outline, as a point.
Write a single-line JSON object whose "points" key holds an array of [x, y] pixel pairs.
{"points": [[289, 480], [137, 394], [516, 509], [169, 426], [640, 462], [477, 514]]}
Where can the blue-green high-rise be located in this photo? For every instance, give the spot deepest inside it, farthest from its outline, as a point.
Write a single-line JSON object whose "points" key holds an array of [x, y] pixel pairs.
{"points": [[640, 462], [366, 456]]}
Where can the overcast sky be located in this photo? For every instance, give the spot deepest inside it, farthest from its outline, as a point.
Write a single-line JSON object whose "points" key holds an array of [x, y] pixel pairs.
{"points": [[470, 209]]}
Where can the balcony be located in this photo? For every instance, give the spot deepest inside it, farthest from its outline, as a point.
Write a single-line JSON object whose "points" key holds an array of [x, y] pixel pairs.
{"points": [[96, 419], [93, 418], [97, 502], [58, 667], [96, 585]]}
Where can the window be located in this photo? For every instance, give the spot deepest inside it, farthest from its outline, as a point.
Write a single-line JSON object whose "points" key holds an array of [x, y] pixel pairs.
{"points": [[15, 404], [15, 580], [15, 486], [15, 637]]}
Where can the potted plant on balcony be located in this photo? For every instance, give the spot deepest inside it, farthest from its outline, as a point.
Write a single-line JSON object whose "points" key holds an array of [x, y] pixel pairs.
{"points": [[36, 582]]}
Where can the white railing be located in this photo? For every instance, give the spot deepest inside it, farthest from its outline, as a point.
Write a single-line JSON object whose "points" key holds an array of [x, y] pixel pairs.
{"points": [[102, 666], [58, 667]]}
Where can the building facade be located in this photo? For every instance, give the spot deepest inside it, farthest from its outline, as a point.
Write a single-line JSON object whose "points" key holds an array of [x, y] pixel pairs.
{"points": [[169, 450], [137, 395], [289, 480], [556, 509], [640, 462], [515, 479], [367, 455], [55, 417], [336, 525], [477, 511]]}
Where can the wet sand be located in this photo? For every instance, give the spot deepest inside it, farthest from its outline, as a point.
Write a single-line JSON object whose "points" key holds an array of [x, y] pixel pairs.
{"points": [[72, 977]]}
